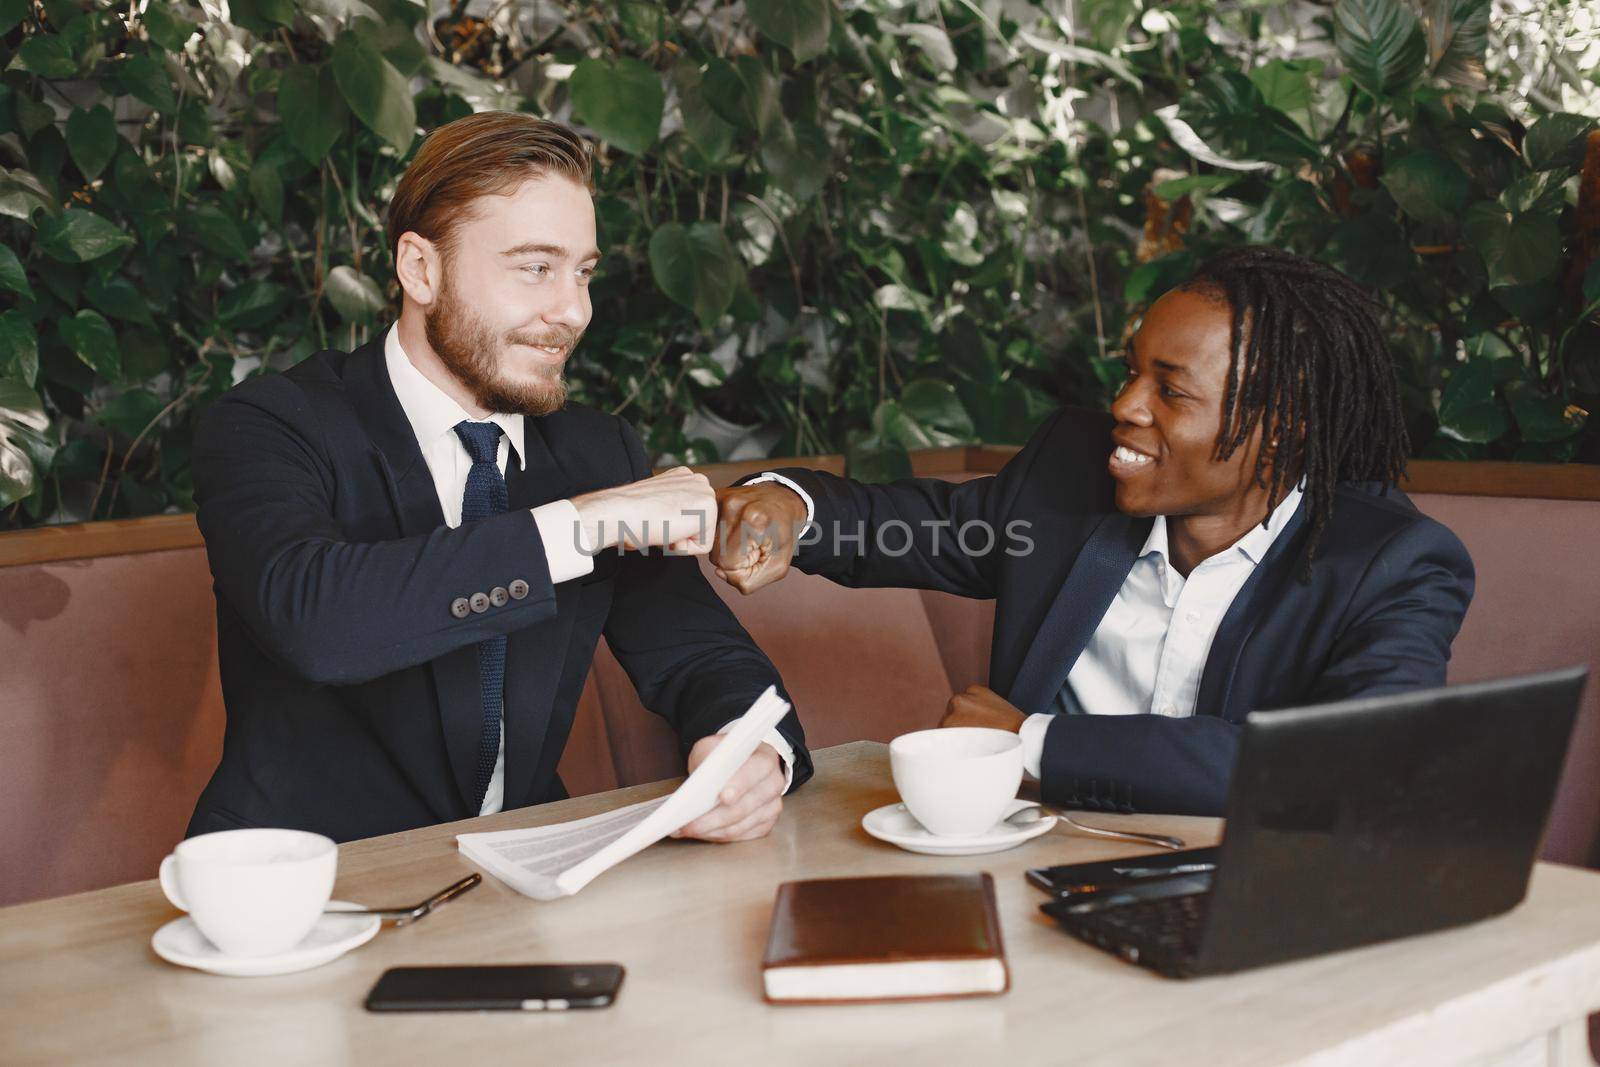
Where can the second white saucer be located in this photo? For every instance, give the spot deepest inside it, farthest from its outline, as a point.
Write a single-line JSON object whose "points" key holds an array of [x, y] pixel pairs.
{"points": [[894, 824], [181, 942]]}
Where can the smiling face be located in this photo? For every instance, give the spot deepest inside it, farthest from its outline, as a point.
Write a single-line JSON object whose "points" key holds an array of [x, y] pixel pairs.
{"points": [[1169, 414], [515, 294]]}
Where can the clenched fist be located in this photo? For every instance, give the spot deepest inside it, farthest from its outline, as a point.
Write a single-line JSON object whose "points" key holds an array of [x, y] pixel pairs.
{"points": [[757, 526], [676, 509]]}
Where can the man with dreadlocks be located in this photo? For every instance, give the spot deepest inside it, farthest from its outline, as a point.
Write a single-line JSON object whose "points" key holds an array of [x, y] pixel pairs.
{"points": [[1230, 539]]}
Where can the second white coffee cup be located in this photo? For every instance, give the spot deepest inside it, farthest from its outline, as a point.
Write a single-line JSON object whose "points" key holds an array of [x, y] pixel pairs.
{"points": [[957, 782], [252, 892]]}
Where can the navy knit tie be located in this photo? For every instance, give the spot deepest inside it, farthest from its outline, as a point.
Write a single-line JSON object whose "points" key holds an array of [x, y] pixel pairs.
{"points": [[485, 497]]}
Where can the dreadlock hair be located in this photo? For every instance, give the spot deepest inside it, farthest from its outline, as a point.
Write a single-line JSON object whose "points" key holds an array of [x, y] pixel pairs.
{"points": [[1309, 364]]}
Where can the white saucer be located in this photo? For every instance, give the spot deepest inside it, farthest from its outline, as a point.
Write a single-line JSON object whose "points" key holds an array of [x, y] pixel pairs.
{"points": [[894, 824], [181, 942]]}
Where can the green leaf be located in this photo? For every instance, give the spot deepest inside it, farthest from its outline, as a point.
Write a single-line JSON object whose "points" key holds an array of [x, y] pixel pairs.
{"points": [[1285, 83], [1591, 284], [19, 347], [933, 42], [1077, 53], [145, 76], [1542, 418], [78, 236], [1371, 248], [376, 92], [622, 102], [1381, 43], [143, 356], [92, 340], [643, 21], [696, 267], [935, 406], [1468, 410], [13, 12], [797, 157], [1457, 34], [1557, 140], [116, 296], [266, 189], [311, 111], [354, 295], [1201, 183], [91, 139], [130, 412], [13, 277], [33, 115], [801, 26], [262, 17], [744, 93], [214, 230], [46, 55], [1517, 250], [1428, 187], [1228, 112], [711, 136], [165, 27], [1533, 193], [21, 194], [62, 14], [23, 423]]}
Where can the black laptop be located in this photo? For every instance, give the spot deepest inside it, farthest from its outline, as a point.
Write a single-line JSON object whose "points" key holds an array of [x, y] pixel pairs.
{"points": [[1354, 823]]}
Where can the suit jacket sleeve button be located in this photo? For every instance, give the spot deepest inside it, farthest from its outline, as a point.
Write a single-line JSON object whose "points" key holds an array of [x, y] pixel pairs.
{"points": [[460, 608], [480, 602], [499, 597], [519, 589]]}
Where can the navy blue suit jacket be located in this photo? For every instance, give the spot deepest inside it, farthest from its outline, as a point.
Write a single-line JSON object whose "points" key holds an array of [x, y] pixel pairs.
{"points": [[1387, 593], [351, 689]]}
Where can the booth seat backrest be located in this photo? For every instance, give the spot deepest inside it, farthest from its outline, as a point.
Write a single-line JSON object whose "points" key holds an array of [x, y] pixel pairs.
{"points": [[110, 716], [1536, 608]]}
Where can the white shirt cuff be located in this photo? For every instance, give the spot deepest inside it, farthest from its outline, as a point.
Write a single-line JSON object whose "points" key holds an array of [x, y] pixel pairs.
{"points": [[779, 742], [566, 547], [768, 476], [1032, 734]]}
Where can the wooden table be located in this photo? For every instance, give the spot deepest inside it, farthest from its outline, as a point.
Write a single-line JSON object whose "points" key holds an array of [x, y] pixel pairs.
{"points": [[78, 981]]}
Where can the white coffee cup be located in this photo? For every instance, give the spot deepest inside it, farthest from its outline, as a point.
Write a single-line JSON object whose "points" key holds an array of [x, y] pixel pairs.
{"points": [[957, 782], [252, 892]]}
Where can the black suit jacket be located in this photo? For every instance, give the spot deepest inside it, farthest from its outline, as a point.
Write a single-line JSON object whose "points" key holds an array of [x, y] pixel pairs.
{"points": [[1387, 593], [351, 689]]}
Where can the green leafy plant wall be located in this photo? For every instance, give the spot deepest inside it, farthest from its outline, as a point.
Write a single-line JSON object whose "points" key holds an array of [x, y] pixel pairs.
{"points": [[830, 225]]}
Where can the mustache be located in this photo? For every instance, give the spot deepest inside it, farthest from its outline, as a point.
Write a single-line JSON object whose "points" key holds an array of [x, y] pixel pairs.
{"points": [[555, 337]]}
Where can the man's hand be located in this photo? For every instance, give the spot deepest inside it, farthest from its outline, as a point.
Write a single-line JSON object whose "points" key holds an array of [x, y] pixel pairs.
{"points": [[757, 526], [749, 804], [981, 706], [676, 508]]}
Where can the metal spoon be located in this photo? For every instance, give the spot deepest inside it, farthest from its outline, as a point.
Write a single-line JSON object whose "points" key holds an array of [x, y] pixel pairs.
{"points": [[402, 916], [1024, 816]]}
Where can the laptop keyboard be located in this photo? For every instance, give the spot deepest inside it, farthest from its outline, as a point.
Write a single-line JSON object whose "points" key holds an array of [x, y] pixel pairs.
{"points": [[1168, 925]]}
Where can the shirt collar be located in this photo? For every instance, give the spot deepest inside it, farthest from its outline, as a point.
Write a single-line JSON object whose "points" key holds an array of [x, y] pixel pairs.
{"points": [[1253, 545], [430, 410]]}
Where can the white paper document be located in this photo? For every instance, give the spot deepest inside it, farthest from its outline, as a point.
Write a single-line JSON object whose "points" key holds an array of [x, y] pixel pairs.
{"points": [[548, 862]]}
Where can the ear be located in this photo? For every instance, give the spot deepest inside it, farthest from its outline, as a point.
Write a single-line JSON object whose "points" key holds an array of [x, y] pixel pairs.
{"points": [[419, 267]]}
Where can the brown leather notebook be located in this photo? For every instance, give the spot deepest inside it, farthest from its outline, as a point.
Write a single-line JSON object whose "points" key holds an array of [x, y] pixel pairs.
{"points": [[840, 940]]}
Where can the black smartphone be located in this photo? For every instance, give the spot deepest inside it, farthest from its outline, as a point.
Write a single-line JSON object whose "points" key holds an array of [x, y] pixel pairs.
{"points": [[535, 987], [1087, 879]]}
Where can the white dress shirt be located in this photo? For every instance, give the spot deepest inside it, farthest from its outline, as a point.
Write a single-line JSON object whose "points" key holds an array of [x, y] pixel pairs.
{"points": [[1148, 652], [433, 415]]}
